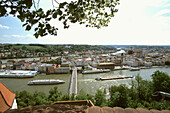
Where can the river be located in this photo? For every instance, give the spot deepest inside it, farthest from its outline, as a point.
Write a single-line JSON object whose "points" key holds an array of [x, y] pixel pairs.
{"points": [[86, 82]]}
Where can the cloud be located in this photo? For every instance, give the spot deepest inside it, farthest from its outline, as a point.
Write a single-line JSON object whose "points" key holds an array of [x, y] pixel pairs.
{"points": [[5, 27], [155, 3], [30, 35], [164, 12], [18, 36], [167, 5]]}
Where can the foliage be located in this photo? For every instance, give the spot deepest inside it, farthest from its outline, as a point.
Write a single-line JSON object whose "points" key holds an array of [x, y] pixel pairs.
{"points": [[92, 13], [82, 95], [40, 98], [167, 63], [25, 98], [100, 98], [118, 96], [54, 94], [130, 52], [138, 95], [39, 50], [161, 81], [54, 62]]}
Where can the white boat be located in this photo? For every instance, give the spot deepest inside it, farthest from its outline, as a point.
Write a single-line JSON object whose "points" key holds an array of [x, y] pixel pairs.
{"points": [[17, 74], [45, 82], [134, 69]]}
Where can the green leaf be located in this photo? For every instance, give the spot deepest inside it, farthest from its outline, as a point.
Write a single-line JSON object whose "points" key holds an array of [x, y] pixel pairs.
{"points": [[28, 27], [48, 26], [60, 12], [2, 11], [36, 35], [28, 3], [24, 24], [47, 19], [48, 12], [61, 5], [55, 15], [36, 29], [13, 12]]}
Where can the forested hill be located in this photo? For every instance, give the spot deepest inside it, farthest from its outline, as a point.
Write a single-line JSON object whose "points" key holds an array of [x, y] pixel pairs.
{"points": [[46, 47], [39, 50]]}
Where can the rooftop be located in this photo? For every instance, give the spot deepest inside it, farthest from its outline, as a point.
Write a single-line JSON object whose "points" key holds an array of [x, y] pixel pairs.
{"points": [[6, 98]]}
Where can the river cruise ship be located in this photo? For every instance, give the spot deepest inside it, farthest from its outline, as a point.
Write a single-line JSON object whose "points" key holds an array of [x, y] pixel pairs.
{"points": [[45, 82], [134, 69], [17, 74]]}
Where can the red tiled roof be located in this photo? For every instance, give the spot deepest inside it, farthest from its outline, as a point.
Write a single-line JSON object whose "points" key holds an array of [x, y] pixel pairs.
{"points": [[6, 98]]}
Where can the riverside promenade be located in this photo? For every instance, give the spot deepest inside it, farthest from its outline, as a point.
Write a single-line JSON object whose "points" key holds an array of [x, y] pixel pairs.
{"points": [[73, 82]]}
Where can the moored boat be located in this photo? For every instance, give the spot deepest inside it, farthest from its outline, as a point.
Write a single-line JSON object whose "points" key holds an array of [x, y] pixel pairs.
{"points": [[95, 71], [134, 69], [17, 74], [45, 82]]}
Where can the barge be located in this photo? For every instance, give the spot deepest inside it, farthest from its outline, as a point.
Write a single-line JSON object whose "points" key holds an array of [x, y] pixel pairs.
{"points": [[46, 82], [17, 74], [95, 71], [114, 78]]}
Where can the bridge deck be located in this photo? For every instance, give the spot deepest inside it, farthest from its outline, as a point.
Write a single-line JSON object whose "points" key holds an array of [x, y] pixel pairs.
{"points": [[73, 82]]}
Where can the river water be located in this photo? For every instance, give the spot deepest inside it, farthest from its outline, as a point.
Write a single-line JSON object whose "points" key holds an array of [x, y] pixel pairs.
{"points": [[86, 82]]}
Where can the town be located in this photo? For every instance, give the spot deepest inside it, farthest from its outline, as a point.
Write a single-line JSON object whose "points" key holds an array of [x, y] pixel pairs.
{"points": [[62, 60]]}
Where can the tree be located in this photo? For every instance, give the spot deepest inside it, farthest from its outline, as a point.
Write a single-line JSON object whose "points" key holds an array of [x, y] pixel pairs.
{"points": [[161, 81], [93, 13], [119, 96], [100, 98], [24, 99], [141, 90], [54, 94], [167, 63], [40, 98], [130, 52]]}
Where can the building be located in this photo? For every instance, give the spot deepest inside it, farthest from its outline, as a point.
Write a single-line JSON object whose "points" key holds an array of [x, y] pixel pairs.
{"points": [[7, 99], [62, 70], [106, 66]]}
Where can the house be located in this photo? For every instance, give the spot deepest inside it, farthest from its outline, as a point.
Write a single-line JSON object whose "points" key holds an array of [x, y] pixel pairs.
{"points": [[7, 99], [106, 66], [132, 63], [2, 66], [148, 64], [10, 63], [62, 70]]}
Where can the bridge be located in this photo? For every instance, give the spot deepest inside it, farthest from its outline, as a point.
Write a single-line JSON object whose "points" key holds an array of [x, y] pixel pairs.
{"points": [[73, 82]]}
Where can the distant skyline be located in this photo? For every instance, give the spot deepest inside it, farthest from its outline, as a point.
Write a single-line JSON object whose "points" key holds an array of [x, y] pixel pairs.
{"points": [[138, 22]]}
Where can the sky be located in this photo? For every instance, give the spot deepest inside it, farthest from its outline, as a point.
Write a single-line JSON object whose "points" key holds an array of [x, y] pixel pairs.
{"points": [[138, 22]]}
